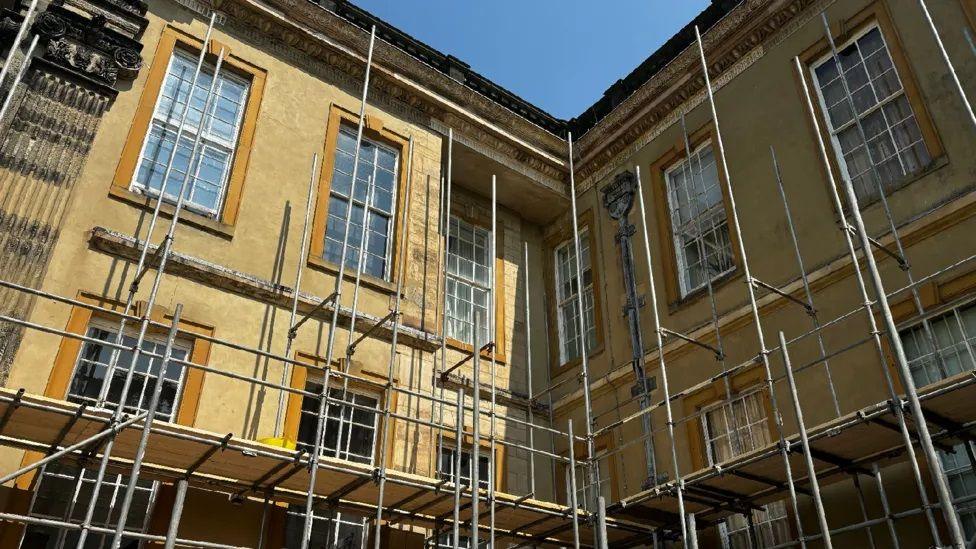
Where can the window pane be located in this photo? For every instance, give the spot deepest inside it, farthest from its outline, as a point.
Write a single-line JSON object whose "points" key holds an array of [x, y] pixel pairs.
{"points": [[567, 288], [469, 281], [217, 134], [376, 172], [895, 145], [703, 249]]}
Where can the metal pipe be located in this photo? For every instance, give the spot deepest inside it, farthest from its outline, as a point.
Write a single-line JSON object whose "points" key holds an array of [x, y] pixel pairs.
{"points": [[363, 244], [846, 230], [447, 259], [176, 514], [279, 416], [805, 442], [693, 531], [885, 507], [401, 270], [935, 466], [803, 277], [528, 364], [760, 336], [73, 448], [594, 473], [945, 57], [15, 45], [459, 437], [330, 347], [20, 74], [493, 328], [573, 504], [601, 522], [150, 302], [661, 363], [863, 506], [475, 436], [130, 488]]}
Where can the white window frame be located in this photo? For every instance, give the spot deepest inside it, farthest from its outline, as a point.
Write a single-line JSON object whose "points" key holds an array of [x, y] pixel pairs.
{"points": [[570, 300], [687, 166], [775, 511], [454, 276], [956, 467], [835, 132], [584, 489], [189, 133], [345, 421], [113, 485], [450, 474], [373, 210], [295, 518], [122, 365]]}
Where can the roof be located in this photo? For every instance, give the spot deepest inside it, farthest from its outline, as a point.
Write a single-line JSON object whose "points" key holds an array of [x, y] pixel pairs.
{"points": [[462, 72]]}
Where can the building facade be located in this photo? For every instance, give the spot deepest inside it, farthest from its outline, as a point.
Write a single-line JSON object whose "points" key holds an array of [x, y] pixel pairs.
{"points": [[472, 240]]}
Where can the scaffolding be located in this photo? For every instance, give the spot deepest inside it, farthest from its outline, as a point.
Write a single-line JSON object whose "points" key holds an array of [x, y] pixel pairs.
{"points": [[852, 443]]}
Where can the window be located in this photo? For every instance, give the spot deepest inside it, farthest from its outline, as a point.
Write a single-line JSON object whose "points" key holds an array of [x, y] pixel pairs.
{"points": [[210, 168], [60, 484], [448, 457], [702, 247], [88, 380], [446, 541], [585, 496], [567, 290], [469, 274], [377, 169], [895, 142], [345, 531], [955, 337], [733, 428], [350, 431]]}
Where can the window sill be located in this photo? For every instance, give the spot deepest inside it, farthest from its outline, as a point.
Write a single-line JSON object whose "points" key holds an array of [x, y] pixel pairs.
{"points": [[167, 210], [365, 280], [558, 370], [933, 166], [458, 345], [700, 293]]}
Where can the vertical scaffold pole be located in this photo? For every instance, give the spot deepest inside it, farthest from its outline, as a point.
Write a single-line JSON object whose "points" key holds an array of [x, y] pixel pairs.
{"points": [[807, 457], [336, 305], [459, 437], [447, 257], [948, 62], [285, 367], [573, 504], [493, 329], [528, 367], [401, 272], [806, 280], [130, 489], [848, 231], [883, 496], [661, 363], [750, 288], [177, 513], [20, 74], [15, 45], [601, 517], [164, 248], [593, 471], [475, 433], [692, 531]]}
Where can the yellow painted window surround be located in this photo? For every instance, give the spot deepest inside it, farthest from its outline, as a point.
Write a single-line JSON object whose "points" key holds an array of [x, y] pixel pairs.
{"points": [[228, 135]]}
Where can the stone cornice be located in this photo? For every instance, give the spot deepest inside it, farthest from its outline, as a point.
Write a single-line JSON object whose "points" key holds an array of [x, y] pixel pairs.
{"points": [[324, 43], [732, 44]]}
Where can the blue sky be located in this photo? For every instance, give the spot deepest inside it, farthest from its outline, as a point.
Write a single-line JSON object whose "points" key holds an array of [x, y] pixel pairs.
{"points": [[558, 54]]}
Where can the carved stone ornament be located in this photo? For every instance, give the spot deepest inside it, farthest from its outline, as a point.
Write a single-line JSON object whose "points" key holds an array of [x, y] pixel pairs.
{"points": [[618, 196], [87, 46]]}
